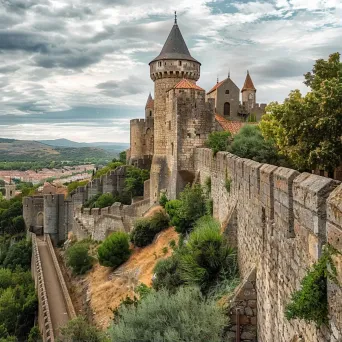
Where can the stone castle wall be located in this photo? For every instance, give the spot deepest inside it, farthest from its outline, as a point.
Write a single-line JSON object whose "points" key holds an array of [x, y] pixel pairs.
{"points": [[99, 223], [282, 219]]}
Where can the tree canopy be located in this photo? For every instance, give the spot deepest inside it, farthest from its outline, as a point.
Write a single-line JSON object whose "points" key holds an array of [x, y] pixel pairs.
{"points": [[308, 128]]}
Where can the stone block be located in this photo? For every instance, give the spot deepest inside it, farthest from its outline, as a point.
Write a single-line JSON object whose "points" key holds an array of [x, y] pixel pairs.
{"points": [[334, 207], [334, 235]]}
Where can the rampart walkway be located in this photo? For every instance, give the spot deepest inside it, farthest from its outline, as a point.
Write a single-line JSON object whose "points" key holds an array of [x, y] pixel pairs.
{"points": [[58, 310]]}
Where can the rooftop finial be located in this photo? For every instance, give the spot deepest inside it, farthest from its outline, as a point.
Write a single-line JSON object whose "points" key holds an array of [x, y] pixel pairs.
{"points": [[217, 79], [229, 73], [247, 72], [175, 17]]}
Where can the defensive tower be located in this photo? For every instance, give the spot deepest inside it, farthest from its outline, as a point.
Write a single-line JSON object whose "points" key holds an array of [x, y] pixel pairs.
{"points": [[172, 65], [248, 94]]}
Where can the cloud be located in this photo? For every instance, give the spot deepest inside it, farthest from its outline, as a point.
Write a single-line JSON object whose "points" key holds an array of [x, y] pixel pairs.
{"points": [[129, 86], [62, 55]]}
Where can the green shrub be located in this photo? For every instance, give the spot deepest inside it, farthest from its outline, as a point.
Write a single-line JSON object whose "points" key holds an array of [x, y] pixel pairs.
{"points": [[91, 202], [218, 141], [79, 330], [134, 181], [114, 251], [185, 316], [105, 200], [188, 209], [159, 221], [142, 234], [167, 274], [163, 200], [206, 257], [228, 184], [78, 257], [311, 302], [145, 229]]}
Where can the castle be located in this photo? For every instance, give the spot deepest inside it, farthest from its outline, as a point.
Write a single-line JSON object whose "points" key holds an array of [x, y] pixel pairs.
{"points": [[277, 218], [182, 115]]}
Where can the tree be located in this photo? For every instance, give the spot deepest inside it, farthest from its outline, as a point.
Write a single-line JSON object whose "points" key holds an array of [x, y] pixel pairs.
{"points": [[184, 316], [249, 143], [308, 128], [114, 251], [78, 257], [134, 182], [218, 141], [105, 200], [19, 254]]}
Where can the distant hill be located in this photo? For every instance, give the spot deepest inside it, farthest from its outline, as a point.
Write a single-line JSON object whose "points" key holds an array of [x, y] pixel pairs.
{"points": [[107, 146], [26, 150]]}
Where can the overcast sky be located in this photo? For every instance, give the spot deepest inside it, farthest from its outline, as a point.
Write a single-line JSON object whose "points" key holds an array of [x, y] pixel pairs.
{"points": [[78, 69]]}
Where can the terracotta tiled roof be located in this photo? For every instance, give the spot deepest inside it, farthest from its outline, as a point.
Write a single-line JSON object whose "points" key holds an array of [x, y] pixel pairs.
{"points": [[150, 102], [186, 84], [248, 83], [231, 126], [218, 84]]}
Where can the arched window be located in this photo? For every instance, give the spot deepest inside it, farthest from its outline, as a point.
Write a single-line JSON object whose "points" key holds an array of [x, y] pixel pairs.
{"points": [[226, 111], [150, 112]]}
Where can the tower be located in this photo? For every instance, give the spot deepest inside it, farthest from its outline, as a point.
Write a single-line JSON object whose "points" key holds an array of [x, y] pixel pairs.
{"points": [[248, 94], [172, 65], [149, 108], [10, 190]]}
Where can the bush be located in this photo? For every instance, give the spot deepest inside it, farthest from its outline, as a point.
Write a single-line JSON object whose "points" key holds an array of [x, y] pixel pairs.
{"points": [[185, 316], [188, 209], [167, 275], [163, 200], [134, 181], [114, 251], [105, 200], [311, 302], [142, 234], [78, 257], [34, 335], [78, 330], [145, 229], [206, 257], [218, 141]]}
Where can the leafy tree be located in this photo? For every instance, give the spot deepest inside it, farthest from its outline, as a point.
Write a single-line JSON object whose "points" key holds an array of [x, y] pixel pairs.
{"points": [[134, 181], [78, 257], [218, 141], [307, 129], [185, 316], [34, 335], [249, 143], [163, 200], [19, 254], [109, 167], [114, 251], [123, 157], [78, 330]]}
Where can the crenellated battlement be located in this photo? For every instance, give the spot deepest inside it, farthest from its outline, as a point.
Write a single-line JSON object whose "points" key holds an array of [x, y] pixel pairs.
{"points": [[279, 219]]}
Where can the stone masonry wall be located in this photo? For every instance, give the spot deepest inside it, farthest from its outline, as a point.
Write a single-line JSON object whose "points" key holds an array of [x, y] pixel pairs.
{"points": [[282, 219], [99, 223]]}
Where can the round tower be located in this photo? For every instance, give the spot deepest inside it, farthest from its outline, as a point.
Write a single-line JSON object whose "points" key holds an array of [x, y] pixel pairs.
{"points": [[172, 65]]}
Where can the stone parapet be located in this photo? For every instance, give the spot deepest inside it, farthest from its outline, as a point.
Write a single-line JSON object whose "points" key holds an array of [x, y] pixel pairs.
{"points": [[279, 219]]}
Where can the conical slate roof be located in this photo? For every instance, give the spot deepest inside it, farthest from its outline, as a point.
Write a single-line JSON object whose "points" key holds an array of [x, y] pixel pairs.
{"points": [[150, 102], [175, 47], [248, 83]]}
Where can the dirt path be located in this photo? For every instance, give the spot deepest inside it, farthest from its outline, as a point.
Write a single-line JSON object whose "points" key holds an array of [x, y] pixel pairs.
{"points": [[58, 310]]}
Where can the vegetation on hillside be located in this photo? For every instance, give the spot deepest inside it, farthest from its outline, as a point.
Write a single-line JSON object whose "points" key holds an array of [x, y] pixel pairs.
{"points": [[184, 316], [307, 129], [78, 258]]}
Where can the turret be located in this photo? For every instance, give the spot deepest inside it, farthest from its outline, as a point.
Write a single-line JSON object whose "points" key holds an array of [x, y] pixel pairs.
{"points": [[248, 94], [149, 108]]}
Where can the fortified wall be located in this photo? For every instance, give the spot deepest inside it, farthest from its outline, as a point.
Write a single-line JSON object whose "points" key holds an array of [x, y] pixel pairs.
{"points": [[57, 216], [279, 220]]}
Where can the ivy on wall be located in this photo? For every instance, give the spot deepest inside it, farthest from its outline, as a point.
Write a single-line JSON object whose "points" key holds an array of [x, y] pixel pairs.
{"points": [[311, 301]]}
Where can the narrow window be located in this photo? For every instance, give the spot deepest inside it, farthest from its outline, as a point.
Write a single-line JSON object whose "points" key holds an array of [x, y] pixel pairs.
{"points": [[172, 149], [180, 63], [150, 112], [227, 91]]}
